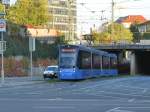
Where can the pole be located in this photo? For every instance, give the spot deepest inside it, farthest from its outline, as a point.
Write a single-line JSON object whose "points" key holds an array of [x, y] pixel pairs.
{"points": [[31, 71], [2, 69], [31, 49], [53, 17], [112, 21], [2, 66], [70, 37]]}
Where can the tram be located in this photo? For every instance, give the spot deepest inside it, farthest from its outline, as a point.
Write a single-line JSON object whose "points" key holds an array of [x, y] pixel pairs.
{"points": [[78, 62]]}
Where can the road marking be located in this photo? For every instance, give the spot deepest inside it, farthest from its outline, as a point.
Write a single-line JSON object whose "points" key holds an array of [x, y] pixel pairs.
{"points": [[54, 107], [108, 96], [112, 110], [118, 110], [144, 107], [131, 100], [133, 87], [116, 93], [144, 91]]}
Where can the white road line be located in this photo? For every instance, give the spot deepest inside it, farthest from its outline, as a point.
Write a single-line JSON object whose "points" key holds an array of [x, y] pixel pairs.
{"points": [[112, 110], [121, 109], [131, 100], [116, 93], [133, 87], [118, 110], [143, 107], [108, 96], [54, 107], [144, 91]]}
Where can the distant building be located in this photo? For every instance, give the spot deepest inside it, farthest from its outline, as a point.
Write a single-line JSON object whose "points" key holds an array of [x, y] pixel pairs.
{"points": [[59, 10], [144, 27], [127, 21], [43, 34]]}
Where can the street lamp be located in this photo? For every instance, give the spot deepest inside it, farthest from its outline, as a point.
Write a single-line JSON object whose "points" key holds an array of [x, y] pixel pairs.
{"points": [[2, 30], [112, 20], [70, 21]]}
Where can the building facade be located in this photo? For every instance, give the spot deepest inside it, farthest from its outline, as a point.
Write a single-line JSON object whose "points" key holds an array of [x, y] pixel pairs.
{"points": [[63, 14], [144, 29]]}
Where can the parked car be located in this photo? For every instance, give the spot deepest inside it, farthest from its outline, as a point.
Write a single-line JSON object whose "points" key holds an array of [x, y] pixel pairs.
{"points": [[51, 72]]}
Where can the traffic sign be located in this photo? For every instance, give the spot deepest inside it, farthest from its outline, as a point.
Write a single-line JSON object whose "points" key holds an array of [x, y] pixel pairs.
{"points": [[2, 25], [31, 44], [2, 46], [6, 2]]}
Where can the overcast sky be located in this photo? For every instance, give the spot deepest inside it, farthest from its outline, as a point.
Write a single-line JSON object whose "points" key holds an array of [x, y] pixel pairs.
{"points": [[96, 12], [91, 11]]}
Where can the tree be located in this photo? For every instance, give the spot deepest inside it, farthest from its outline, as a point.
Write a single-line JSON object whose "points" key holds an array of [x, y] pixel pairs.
{"points": [[33, 12], [136, 34], [101, 37], [1, 7], [120, 34]]}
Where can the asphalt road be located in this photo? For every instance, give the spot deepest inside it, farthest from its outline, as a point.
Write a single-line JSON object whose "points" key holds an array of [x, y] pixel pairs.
{"points": [[109, 94]]}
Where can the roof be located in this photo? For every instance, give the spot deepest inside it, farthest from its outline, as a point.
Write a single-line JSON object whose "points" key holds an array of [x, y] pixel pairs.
{"points": [[145, 23], [131, 19]]}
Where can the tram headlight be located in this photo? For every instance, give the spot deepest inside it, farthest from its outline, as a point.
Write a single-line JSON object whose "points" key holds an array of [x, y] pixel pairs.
{"points": [[74, 69]]}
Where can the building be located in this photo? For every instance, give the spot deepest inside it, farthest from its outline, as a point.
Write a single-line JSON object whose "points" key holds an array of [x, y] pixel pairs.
{"points": [[127, 21], [44, 35], [144, 29], [64, 16]]}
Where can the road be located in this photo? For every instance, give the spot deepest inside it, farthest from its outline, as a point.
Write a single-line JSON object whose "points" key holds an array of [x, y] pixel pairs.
{"points": [[107, 94]]}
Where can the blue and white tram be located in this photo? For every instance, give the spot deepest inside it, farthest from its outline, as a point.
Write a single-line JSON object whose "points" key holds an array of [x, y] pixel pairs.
{"points": [[80, 62]]}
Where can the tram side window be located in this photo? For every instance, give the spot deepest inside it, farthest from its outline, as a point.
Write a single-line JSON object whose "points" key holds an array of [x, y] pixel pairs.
{"points": [[105, 62], [113, 62], [96, 61], [84, 60]]}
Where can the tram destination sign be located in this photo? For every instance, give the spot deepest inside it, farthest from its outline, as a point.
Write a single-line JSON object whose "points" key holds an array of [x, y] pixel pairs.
{"points": [[2, 25], [68, 50]]}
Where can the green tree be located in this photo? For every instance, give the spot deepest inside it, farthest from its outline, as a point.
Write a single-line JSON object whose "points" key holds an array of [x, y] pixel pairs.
{"points": [[33, 12], [136, 34], [120, 34], [1, 7]]}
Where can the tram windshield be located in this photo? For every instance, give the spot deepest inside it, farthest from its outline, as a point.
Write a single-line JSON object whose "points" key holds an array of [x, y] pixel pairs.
{"points": [[67, 59]]}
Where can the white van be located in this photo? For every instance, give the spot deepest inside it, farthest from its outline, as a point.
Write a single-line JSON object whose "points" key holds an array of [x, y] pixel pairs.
{"points": [[51, 72]]}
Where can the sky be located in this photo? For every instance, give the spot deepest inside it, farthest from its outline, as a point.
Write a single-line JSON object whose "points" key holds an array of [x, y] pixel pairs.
{"points": [[95, 12]]}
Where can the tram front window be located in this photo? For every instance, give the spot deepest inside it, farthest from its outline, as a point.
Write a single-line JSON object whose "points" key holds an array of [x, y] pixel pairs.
{"points": [[67, 60]]}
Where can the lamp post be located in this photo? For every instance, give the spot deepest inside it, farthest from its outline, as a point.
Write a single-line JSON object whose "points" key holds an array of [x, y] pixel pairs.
{"points": [[112, 21], [31, 49], [70, 21], [3, 44]]}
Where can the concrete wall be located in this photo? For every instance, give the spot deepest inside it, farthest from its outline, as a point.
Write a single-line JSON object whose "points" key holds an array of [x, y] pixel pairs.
{"points": [[140, 62], [133, 64]]}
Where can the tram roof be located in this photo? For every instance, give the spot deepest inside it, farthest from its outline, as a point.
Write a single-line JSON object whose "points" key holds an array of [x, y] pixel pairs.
{"points": [[85, 48]]}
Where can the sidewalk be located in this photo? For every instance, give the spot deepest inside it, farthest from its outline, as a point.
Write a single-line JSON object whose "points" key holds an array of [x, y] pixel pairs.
{"points": [[19, 81]]}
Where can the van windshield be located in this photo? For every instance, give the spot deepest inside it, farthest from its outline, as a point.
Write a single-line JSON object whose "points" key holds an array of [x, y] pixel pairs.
{"points": [[51, 68]]}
